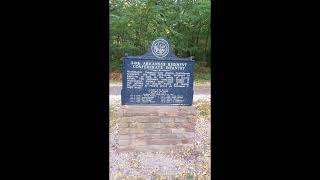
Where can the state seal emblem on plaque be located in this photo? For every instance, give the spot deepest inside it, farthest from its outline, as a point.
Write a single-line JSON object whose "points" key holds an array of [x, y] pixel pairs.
{"points": [[160, 48]]}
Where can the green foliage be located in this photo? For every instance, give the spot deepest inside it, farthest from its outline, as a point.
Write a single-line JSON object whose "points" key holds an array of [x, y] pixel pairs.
{"points": [[135, 23]]}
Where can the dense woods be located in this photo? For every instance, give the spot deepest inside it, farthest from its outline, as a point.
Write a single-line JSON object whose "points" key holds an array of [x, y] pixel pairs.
{"points": [[186, 24]]}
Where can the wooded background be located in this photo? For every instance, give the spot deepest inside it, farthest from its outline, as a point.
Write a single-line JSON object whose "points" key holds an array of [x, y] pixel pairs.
{"points": [[134, 24]]}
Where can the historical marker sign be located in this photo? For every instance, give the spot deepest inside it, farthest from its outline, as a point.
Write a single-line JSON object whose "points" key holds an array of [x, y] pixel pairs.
{"points": [[157, 77]]}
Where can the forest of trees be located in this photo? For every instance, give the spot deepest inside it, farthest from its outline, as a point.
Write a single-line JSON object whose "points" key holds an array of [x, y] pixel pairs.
{"points": [[186, 24]]}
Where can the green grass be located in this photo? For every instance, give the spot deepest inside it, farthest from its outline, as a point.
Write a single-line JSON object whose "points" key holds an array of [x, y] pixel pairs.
{"points": [[202, 72], [205, 77], [113, 81]]}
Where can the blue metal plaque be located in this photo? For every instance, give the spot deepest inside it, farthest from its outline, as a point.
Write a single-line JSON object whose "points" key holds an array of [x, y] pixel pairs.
{"points": [[157, 77]]}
